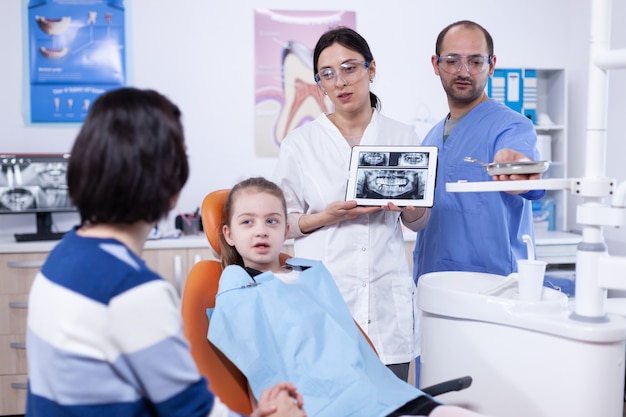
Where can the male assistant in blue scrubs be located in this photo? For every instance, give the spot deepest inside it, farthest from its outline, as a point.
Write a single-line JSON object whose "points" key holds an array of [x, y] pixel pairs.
{"points": [[482, 231]]}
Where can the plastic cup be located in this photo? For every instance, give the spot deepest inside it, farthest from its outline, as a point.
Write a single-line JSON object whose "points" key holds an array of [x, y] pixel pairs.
{"points": [[530, 279]]}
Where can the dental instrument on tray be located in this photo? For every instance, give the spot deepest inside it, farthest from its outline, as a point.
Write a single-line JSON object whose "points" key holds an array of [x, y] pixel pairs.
{"points": [[510, 168]]}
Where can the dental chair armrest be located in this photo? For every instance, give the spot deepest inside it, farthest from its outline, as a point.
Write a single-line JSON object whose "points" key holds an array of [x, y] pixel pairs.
{"points": [[456, 384]]}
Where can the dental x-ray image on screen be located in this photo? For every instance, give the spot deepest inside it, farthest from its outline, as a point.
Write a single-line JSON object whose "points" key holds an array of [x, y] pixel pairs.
{"points": [[405, 184], [374, 159], [34, 183], [403, 175]]}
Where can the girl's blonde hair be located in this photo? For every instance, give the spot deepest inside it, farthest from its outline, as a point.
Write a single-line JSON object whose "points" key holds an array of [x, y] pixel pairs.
{"points": [[230, 256]]}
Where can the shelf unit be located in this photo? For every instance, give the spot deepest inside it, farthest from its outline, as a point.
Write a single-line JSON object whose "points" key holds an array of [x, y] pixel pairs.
{"points": [[537, 93], [552, 100]]}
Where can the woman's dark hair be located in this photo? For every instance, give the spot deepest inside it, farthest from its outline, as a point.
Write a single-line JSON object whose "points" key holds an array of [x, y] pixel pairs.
{"points": [[350, 39], [129, 159], [467, 24], [229, 254]]}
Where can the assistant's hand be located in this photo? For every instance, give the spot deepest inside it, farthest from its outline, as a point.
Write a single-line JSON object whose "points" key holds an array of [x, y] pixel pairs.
{"points": [[282, 400], [410, 214], [509, 155]]}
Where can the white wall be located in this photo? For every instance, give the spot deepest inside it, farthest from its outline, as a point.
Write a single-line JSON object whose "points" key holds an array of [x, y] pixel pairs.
{"points": [[201, 55]]}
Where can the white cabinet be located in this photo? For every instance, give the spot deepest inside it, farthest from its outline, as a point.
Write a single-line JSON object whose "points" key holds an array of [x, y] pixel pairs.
{"points": [[174, 264], [17, 272]]}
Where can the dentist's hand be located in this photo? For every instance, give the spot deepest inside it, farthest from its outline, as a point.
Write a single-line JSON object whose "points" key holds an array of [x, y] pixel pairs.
{"points": [[334, 213]]}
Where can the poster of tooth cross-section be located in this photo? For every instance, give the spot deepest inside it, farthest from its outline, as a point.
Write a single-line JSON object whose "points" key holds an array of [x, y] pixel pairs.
{"points": [[76, 52], [286, 95]]}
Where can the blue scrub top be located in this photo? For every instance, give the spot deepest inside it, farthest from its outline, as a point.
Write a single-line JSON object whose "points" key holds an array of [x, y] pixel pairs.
{"points": [[482, 231]]}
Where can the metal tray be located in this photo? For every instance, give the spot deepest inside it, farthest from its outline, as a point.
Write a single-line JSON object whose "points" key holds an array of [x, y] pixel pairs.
{"points": [[519, 167]]}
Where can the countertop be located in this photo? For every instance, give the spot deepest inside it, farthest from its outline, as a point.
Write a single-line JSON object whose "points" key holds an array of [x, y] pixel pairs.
{"points": [[9, 245]]}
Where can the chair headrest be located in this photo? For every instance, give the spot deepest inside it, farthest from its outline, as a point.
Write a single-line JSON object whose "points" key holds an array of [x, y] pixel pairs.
{"points": [[212, 211]]}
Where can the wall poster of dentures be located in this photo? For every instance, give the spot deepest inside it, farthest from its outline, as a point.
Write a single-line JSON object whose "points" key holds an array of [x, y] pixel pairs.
{"points": [[286, 95], [76, 52]]}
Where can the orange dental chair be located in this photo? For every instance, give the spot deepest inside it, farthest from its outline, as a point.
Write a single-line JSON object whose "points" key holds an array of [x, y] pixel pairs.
{"points": [[225, 380]]}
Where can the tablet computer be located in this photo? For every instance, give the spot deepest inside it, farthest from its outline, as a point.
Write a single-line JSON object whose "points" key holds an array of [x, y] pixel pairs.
{"points": [[403, 175]]}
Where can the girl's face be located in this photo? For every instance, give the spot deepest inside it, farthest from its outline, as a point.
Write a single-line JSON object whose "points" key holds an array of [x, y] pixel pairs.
{"points": [[257, 229], [350, 93]]}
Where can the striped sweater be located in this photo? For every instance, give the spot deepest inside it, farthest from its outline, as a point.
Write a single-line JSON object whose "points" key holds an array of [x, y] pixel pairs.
{"points": [[104, 338]]}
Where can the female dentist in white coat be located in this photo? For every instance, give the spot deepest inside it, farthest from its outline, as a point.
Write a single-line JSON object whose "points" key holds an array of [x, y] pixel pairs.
{"points": [[363, 247]]}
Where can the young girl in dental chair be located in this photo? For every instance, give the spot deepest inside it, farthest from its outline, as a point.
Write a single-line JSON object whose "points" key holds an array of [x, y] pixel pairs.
{"points": [[289, 322]]}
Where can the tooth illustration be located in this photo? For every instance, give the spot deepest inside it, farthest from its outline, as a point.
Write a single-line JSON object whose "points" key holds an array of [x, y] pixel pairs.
{"points": [[53, 26], [54, 53], [302, 99]]}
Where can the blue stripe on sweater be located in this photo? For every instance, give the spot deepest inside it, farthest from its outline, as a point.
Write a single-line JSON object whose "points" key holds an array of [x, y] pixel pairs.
{"points": [[186, 404], [129, 378], [116, 271]]}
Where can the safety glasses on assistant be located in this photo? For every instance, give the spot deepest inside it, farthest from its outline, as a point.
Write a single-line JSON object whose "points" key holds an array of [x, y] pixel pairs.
{"points": [[349, 72], [474, 64]]}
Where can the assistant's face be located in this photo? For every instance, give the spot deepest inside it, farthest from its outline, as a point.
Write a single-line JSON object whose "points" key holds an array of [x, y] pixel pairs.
{"points": [[463, 87]]}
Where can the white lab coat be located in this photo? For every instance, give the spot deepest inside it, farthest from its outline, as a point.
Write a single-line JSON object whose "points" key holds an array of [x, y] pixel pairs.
{"points": [[365, 256]]}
